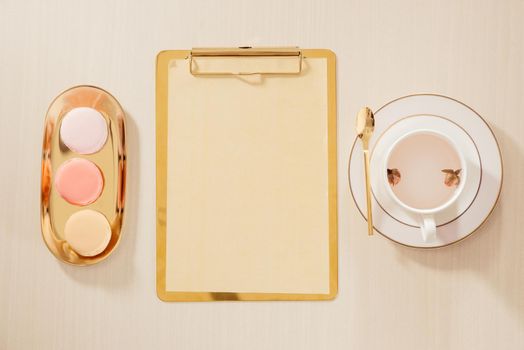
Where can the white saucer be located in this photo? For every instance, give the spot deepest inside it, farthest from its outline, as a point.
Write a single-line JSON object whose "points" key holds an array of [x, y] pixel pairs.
{"points": [[468, 130]]}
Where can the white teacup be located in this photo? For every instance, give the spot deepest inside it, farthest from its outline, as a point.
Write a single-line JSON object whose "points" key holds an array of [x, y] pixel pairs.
{"points": [[424, 173]]}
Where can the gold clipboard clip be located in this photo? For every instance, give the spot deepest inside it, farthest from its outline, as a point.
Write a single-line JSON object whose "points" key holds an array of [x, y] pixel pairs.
{"points": [[293, 53]]}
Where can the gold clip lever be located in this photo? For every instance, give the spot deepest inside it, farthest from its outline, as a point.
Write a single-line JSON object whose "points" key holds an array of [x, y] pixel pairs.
{"points": [[278, 61]]}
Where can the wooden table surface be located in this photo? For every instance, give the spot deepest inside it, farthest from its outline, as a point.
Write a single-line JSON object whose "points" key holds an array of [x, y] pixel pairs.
{"points": [[466, 296]]}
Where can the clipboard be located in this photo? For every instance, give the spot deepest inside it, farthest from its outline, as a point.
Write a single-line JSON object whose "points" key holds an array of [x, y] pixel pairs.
{"points": [[246, 174]]}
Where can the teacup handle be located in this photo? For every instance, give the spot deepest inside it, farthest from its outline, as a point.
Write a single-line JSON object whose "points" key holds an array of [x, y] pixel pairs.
{"points": [[428, 228]]}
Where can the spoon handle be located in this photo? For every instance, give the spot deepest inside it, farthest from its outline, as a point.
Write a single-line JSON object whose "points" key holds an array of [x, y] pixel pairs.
{"points": [[368, 192]]}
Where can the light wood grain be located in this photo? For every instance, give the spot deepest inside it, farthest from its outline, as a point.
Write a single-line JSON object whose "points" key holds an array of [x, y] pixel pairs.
{"points": [[466, 296]]}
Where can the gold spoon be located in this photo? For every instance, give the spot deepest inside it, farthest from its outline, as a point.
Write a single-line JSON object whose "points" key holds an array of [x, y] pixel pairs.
{"points": [[365, 126]]}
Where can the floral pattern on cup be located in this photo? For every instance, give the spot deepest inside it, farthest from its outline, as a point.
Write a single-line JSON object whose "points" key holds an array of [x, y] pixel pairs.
{"points": [[452, 177], [393, 176]]}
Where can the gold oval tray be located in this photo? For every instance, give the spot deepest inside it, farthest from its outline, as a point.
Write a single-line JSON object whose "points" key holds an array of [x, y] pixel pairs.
{"points": [[111, 159]]}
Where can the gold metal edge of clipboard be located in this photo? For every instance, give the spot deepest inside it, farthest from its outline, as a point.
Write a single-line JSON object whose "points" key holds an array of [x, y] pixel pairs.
{"points": [[162, 68]]}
